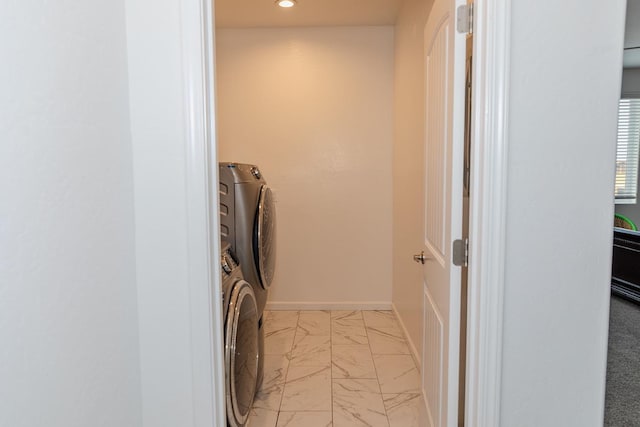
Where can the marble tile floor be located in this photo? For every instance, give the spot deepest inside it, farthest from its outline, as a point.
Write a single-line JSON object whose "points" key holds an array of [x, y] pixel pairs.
{"points": [[339, 369]]}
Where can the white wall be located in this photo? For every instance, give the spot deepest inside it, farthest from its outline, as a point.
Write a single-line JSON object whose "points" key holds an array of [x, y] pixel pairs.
{"points": [[68, 325], [313, 108], [558, 252], [408, 155]]}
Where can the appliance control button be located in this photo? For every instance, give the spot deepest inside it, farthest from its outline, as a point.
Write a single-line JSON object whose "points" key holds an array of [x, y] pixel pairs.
{"points": [[256, 172]]}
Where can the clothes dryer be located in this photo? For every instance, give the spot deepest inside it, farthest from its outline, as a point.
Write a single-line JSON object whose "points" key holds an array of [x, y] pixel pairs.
{"points": [[241, 344], [248, 223]]}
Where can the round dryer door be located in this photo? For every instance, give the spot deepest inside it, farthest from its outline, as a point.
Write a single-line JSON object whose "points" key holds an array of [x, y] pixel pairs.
{"points": [[264, 239], [241, 353]]}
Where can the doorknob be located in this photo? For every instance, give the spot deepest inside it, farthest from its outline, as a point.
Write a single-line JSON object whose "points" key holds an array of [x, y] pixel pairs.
{"points": [[421, 258]]}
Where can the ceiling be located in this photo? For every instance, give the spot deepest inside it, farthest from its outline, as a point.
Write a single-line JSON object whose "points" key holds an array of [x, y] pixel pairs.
{"points": [[307, 13]]}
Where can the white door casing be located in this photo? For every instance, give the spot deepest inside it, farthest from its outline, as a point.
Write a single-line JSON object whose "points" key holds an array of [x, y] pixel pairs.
{"points": [[491, 70], [444, 144]]}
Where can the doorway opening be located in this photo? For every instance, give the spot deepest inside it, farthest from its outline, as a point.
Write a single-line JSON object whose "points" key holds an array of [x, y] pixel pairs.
{"points": [[622, 405]]}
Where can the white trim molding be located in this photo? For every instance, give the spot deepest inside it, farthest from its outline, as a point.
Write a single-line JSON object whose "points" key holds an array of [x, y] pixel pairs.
{"points": [[201, 182], [488, 212], [417, 356]]}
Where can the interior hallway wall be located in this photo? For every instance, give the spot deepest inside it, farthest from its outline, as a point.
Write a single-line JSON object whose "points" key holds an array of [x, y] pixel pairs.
{"points": [[408, 161], [558, 264], [313, 107], [68, 316]]}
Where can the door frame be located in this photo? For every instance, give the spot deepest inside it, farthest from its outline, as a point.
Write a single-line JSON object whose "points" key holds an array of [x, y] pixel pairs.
{"points": [[198, 83], [488, 206], [487, 212]]}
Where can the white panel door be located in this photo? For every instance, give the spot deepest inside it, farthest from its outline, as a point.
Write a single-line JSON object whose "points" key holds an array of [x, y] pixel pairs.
{"points": [[443, 172]]}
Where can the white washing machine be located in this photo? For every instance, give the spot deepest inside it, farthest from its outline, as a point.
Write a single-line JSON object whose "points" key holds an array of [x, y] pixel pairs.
{"points": [[241, 354]]}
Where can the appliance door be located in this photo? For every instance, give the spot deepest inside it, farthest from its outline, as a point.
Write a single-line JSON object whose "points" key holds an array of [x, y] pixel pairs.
{"points": [[241, 353], [264, 237]]}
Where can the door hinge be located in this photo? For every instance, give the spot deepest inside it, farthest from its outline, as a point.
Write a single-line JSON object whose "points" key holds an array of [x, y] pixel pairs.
{"points": [[461, 252], [464, 19]]}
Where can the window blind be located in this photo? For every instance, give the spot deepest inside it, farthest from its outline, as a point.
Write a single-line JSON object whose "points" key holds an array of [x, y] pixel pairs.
{"points": [[626, 189]]}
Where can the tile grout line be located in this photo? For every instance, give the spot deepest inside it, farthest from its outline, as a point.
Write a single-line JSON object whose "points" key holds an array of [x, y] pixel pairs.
{"points": [[376, 369], [331, 361], [288, 357]]}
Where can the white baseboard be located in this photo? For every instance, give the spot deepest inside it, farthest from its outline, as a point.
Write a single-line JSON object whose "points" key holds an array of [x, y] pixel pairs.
{"points": [[328, 305], [417, 357]]}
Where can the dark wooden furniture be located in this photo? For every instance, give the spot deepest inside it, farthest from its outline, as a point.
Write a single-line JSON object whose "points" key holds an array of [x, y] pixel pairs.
{"points": [[625, 280]]}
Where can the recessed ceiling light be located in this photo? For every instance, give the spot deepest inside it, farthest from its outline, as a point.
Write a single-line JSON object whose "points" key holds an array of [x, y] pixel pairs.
{"points": [[286, 3]]}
